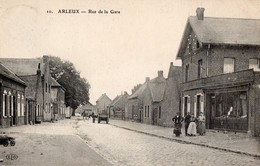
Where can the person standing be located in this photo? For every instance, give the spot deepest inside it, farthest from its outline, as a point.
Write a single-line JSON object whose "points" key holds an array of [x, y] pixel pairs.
{"points": [[177, 119], [187, 122], [201, 124], [192, 129]]}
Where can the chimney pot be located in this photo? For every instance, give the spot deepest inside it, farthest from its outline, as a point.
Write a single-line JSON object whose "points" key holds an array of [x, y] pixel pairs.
{"points": [[171, 63], [160, 73], [147, 79], [200, 13]]}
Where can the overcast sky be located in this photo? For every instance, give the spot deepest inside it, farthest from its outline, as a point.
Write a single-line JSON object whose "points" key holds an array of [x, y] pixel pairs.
{"points": [[114, 52]]}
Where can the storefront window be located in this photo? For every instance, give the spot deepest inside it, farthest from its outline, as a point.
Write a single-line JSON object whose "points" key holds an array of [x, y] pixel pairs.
{"points": [[232, 105]]}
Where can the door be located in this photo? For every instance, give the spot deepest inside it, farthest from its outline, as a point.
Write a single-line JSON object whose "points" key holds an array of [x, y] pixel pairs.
{"points": [[155, 113], [212, 110]]}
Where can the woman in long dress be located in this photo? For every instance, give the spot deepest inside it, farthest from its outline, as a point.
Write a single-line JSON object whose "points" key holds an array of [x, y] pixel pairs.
{"points": [[192, 129], [201, 124]]}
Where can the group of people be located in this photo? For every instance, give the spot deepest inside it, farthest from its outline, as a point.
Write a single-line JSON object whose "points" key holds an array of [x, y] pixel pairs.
{"points": [[193, 125]]}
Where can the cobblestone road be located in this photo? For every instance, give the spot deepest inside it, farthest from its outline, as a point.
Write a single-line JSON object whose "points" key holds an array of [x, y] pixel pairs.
{"points": [[124, 147]]}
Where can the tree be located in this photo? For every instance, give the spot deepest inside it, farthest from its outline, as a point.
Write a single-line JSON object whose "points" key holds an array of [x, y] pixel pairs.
{"points": [[77, 88]]}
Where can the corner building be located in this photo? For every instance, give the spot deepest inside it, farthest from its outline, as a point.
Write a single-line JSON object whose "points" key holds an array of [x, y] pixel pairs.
{"points": [[220, 72]]}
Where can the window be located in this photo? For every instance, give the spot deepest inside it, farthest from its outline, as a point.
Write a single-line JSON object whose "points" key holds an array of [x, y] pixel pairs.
{"points": [[229, 65], [197, 45], [186, 73], [22, 105], [186, 105], [160, 112], [254, 64], [232, 104], [18, 105], [4, 105], [144, 111], [11, 106], [198, 105], [148, 111], [200, 68]]}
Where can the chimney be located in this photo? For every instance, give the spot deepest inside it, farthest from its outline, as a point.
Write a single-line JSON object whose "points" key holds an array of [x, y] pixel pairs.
{"points": [[171, 63], [200, 13], [147, 79], [160, 73]]}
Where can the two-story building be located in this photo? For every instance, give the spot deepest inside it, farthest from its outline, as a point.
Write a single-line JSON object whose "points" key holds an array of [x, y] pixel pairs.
{"points": [[36, 74], [12, 99], [220, 68]]}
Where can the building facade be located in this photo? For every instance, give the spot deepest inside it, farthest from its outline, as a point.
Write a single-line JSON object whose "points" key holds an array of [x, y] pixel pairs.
{"points": [[12, 101], [57, 100], [36, 74], [220, 72], [102, 104], [117, 106]]}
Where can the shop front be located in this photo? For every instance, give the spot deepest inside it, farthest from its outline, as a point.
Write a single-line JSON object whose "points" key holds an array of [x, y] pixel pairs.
{"points": [[227, 109]]}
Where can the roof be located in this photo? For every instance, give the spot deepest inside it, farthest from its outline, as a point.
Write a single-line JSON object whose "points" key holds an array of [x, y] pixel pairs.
{"points": [[175, 71], [224, 31], [103, 96], [23, 67], [118, 98], [115, 100], [157, 88], [54, 82], [9, 74], [139, 91]]}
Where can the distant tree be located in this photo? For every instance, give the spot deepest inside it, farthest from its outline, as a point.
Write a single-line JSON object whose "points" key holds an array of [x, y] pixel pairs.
{"points": [[135, 88], [77, 88]]}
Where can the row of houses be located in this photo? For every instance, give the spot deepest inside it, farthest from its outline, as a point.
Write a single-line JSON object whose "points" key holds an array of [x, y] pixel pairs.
{"points": [[219, 76], [29, 94]]}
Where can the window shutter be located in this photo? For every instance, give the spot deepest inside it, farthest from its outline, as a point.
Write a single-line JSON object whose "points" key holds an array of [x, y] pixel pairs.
{"points": [[195, 106]]}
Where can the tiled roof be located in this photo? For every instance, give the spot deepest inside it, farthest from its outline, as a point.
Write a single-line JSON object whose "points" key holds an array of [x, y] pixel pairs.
{"points": [[23, 67], [226, 30], [9, 74], [118, 98], [139, 91], [103, 96]]}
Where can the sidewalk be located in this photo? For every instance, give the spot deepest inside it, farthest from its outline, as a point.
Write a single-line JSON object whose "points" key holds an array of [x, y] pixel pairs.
{"points": [[238, 143]]}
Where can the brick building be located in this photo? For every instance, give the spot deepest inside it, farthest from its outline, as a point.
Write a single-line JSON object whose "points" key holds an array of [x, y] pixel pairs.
{"points": [[57, 100], [170, 104], [36, 75], [12, 100], [134, 108], [118, 105], [220, 68], [157, 100]]}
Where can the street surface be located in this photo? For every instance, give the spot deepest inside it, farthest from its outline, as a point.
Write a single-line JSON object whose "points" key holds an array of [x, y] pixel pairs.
{"points": [[79, 142]]}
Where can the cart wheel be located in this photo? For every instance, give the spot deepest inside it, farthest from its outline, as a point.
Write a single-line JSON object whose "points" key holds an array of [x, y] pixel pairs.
{"points": [[12, 142], [6, 144]]}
